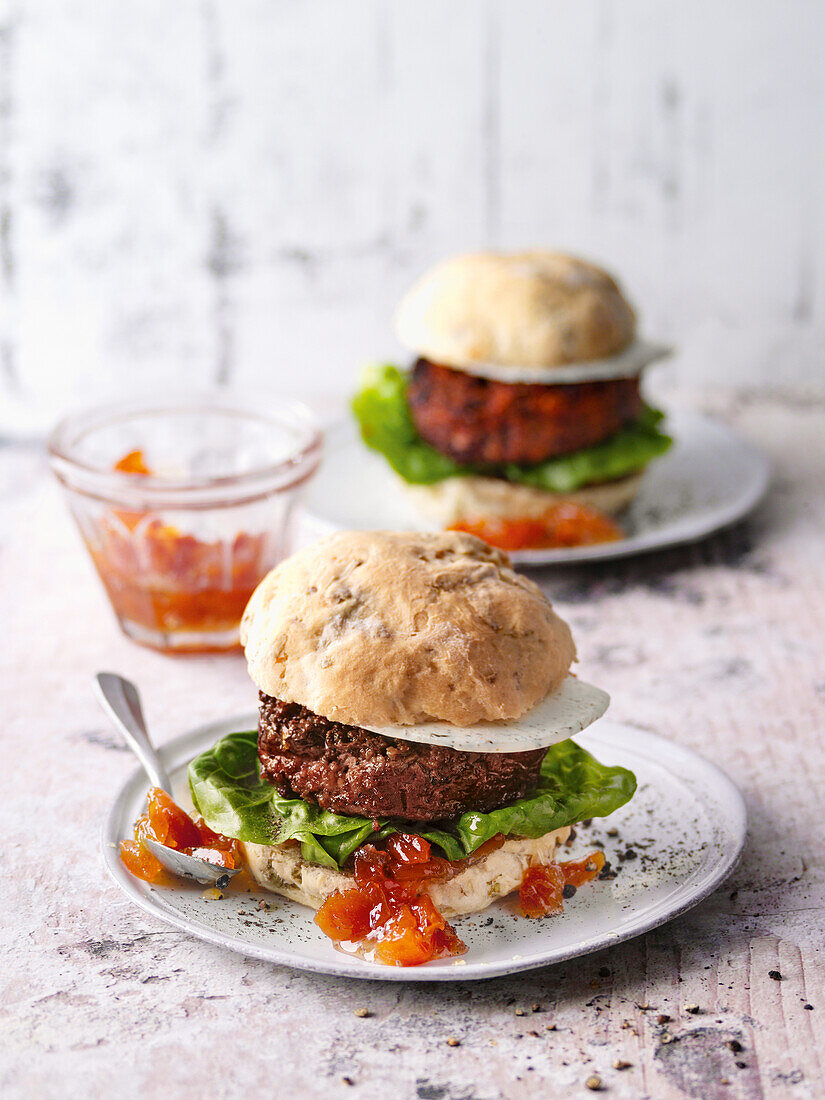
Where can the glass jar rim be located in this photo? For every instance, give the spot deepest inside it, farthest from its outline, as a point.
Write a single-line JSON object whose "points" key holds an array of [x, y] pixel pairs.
{"points": [[121, 486]]}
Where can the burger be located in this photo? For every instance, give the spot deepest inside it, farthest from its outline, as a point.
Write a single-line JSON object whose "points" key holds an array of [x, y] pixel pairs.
{"points": [[523, 403], [412, 761]]}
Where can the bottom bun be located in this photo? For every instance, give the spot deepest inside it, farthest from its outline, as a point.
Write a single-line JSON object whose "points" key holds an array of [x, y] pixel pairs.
{"points": [[457, 499], [282, 869]]}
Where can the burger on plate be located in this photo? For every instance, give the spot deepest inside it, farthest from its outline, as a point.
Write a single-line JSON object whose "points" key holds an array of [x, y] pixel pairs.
{"points": [[412, 761], [521, 417]]}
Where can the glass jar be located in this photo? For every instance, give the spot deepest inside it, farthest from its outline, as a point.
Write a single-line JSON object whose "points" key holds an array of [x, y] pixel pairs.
{"points": [[184, 505]]}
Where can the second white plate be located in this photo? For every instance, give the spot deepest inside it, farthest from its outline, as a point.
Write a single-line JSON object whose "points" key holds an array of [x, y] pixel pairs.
{"points": [[710, 478], [685, 828]]}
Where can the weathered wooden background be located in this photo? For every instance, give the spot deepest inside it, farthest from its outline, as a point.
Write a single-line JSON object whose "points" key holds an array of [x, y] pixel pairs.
{"points": [[207, 191]]}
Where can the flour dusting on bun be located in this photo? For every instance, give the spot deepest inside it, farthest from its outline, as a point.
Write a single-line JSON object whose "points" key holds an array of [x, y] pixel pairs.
{"points": [[520, 309], [382, 628]]}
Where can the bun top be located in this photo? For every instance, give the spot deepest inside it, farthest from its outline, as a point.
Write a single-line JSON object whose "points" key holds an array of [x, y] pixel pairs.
{"points": [[373, 628], [525, 309]]}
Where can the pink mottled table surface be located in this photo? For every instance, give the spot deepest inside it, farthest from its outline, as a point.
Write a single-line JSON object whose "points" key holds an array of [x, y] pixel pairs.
{"points": [[720, 646]]}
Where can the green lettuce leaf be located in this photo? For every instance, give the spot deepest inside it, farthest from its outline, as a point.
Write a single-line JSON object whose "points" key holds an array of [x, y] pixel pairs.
{"points": [[232, 797], [229, 793], [626, 452], [381, 408], [383, 414]]}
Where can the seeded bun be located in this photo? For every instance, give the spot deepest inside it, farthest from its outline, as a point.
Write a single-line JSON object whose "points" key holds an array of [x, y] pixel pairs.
{"points": [[380, 629], [281, 869], [525, 309], [458, 499]]}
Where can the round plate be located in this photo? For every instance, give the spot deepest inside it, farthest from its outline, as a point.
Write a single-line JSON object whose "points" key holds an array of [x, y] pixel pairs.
{"points": [[686, 825], [709, 478]]}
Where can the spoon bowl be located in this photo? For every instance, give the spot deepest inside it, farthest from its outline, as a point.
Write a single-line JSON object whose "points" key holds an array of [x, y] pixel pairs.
{"points": [[191, 867]]}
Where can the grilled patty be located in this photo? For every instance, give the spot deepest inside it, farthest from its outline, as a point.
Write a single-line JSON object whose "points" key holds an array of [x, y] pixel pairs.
{"points": [[353, 771], [482, 422]]}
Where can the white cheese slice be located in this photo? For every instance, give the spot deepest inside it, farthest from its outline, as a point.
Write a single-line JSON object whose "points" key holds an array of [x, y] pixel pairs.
{"points": [[561, 714], [639, 354]]}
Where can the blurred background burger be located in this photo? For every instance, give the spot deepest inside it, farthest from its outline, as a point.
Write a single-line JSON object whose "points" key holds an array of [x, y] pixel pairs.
{"points": [[521, 418]]}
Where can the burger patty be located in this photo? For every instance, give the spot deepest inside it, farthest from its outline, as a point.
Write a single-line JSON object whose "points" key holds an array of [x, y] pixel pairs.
{"points": [[482, 422], [354, 771]]}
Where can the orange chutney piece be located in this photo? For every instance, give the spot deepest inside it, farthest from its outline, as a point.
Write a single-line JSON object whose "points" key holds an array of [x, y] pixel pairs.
{"points": [[165, 822], [389, 916], [165, 580], [563, 525]]}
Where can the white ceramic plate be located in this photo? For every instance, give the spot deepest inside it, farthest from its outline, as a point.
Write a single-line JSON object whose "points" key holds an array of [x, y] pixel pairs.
{"points": [[709, 478], [686, 824]]}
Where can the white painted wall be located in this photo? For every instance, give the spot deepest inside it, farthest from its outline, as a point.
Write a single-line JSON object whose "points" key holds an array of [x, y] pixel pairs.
{"points": [[239, 190]]}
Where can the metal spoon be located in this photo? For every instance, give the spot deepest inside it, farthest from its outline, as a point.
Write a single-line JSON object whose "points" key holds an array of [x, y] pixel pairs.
{"points": [[119, 698]]}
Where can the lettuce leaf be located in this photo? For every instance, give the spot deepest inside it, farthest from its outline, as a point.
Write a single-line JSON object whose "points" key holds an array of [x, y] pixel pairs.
{"points": [[383, 414], [229, 793], [232, 797], [381, 408], [626, 452]]}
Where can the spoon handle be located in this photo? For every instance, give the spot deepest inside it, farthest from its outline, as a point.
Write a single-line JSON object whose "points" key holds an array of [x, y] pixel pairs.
{"points": [[119, 698]]}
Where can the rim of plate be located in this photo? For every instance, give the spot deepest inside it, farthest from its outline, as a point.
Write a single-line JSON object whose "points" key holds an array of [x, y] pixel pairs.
{"points": [[177, 752], [677, 532]]}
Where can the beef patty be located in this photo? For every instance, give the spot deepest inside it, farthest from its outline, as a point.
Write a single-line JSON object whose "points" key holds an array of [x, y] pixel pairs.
{"points": [[482, 422], [353, 771]]}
